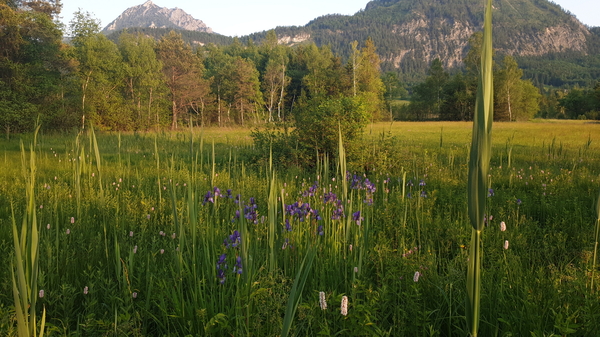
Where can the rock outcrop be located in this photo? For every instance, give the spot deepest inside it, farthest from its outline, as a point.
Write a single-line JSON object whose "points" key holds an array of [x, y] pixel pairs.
{"points": [[149, 15]]}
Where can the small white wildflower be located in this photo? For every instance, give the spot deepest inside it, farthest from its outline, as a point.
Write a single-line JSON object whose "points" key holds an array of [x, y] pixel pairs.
{"points": [[344, 306], [85, 290], [322, 301], [416, 277], [502, 226], [505, 244]]}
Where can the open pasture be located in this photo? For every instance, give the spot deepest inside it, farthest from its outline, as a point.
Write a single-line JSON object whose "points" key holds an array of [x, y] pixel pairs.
{"points": [[176, 234]]}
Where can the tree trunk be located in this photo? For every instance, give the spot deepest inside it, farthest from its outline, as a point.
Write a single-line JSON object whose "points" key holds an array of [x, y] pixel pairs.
{"points": [[219, 105], [509, 109], [281, 93], [174, 122]]}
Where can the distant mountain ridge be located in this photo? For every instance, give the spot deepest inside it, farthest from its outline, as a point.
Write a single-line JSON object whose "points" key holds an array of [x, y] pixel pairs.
{"points": [[149, 15], [408, 30], [549, 42]]}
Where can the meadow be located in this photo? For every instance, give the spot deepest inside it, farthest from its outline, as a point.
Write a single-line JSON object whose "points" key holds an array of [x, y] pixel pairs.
{"points": [[195, 233]]}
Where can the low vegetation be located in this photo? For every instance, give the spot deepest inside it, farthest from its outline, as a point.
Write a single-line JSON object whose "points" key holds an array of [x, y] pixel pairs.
{"points": [[182, 233]]}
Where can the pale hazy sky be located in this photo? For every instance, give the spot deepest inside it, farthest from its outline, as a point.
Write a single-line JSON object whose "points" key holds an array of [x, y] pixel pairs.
{"points": [[243, 17]]}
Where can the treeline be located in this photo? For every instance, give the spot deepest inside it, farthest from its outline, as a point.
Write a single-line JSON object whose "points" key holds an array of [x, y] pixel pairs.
{"points": [[139, 83], [577, 103], [516, 24], [442, 96], [445, 97]]}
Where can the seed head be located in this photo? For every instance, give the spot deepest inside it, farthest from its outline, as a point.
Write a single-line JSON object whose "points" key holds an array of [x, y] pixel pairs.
{"points": [[322, 301], [344, 306]]}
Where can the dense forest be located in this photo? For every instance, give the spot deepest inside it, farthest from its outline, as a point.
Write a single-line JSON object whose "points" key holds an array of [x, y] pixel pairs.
{"points": [[139, 81]]}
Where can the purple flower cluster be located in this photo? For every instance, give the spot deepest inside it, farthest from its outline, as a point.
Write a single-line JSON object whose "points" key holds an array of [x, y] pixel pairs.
{"points": [[211, 196], [357, 218], [250, 211], [208, 197], [221, 267], [238, 265], [369, 186], [422, 185], [356, 183], [338, 213], [217, 192], [331, 198], [288, 227], [233, 240], [301, 211], [311, 190]]}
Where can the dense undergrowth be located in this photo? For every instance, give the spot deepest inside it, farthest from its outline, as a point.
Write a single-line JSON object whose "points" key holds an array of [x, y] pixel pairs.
{"points": [[188, 234]]}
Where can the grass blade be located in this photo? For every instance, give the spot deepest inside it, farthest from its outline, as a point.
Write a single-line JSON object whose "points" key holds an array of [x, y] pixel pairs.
{"points": [[296, 293], [479, 162]]}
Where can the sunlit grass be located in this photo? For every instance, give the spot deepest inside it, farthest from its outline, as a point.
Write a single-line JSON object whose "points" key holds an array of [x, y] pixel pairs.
{"points": [[146, 184]]}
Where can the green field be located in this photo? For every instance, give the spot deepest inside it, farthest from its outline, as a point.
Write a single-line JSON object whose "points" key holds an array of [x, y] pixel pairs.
{"points": [[138, 235]]}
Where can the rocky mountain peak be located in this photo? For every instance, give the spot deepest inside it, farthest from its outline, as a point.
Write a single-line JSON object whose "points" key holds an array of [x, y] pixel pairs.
{"points": [[150, 15]]}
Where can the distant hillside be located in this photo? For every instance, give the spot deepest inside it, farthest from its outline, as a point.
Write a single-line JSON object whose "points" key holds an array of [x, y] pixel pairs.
{"points": [[191, 37], [552, 46], [149, 15], [409, 34]]}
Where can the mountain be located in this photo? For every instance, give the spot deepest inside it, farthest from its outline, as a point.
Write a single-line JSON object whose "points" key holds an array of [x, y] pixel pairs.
{"points": [[409, 34], [550, 44], [149, 15]]}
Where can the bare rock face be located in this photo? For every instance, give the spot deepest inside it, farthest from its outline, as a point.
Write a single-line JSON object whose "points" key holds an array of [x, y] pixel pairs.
{"points": [[149, 15]]}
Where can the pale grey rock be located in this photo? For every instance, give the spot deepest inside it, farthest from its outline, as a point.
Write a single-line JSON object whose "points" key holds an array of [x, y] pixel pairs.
{"points": [[149, 15]]}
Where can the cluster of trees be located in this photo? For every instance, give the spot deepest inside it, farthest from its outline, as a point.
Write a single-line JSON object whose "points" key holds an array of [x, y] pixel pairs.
{"points": [[444, 97], [577, 103], [33, 63], [137, 82]]}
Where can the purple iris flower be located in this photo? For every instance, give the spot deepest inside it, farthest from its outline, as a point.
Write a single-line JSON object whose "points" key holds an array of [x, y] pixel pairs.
{"points": [[357, 218]]}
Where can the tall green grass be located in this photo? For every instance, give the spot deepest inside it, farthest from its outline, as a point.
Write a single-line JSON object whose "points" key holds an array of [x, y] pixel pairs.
{"points": [[115, 250], [596, 236], [479, 163], [26, 254]]}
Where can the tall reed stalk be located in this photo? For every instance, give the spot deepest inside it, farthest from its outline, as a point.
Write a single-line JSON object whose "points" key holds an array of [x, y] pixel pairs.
{"points": [[596, 243], [478, 171], [26, 259]]}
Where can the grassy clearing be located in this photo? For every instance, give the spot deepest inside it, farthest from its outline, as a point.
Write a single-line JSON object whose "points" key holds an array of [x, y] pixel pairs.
{"points": [[140, 242]]}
